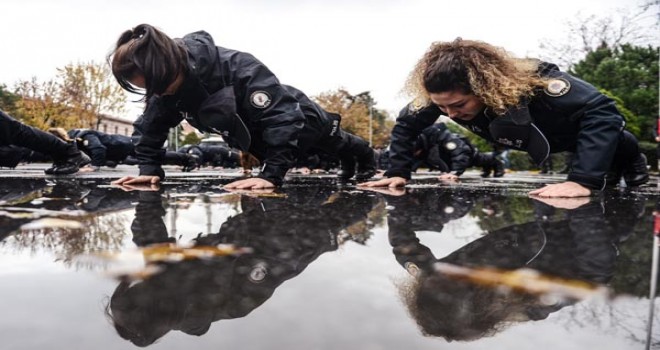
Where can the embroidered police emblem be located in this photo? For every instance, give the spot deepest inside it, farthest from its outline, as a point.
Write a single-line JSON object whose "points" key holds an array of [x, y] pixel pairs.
{"points": [[557, 87], [258, 273], [412, 268], [260, 99], [450, 146]]}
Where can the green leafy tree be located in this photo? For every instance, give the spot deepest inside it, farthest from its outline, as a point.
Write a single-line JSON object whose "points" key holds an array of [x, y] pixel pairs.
{"points": [[8, 100], [629, 73]]}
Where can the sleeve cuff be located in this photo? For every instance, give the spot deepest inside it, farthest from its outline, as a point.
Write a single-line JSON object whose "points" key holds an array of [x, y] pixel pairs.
{"points": [[152, 170], [272, 173], [592, 182], [398, 173]]}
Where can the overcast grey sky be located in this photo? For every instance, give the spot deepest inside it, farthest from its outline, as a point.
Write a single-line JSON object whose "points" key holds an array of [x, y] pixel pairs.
{"points": [[313, 45]]}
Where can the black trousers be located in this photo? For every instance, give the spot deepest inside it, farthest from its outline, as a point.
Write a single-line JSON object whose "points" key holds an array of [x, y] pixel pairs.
{"points": [[13, 132]]}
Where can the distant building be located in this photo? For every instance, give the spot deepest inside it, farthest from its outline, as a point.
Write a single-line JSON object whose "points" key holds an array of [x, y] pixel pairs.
{"points": [[114, 125]]}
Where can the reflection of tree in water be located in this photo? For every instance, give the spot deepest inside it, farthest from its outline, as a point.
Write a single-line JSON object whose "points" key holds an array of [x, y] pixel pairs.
{"points": [[624, 316], [361, 231], [97, 233], [627, 315], [497, 211]]}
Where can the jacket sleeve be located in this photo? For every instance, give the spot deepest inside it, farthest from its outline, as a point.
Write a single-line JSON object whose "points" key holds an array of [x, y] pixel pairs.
{"points": [[274, 112], [96, 149], [150, 133], [409, 125], [599, 127], [461, 154]]}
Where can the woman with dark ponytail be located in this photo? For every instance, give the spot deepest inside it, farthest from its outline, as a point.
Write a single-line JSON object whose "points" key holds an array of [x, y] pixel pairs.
{"points": [[230, 93]]}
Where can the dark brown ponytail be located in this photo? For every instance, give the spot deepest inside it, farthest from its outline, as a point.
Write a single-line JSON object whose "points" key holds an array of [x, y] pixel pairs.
{"points": [[148, 52]]}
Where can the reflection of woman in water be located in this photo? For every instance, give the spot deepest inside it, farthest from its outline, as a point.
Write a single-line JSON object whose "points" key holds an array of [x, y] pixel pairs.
{"points": [[284, 235], [579, 247]]}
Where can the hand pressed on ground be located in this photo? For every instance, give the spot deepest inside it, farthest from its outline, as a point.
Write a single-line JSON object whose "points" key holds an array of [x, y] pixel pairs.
{"points": [[387, 182], [568, 189]]}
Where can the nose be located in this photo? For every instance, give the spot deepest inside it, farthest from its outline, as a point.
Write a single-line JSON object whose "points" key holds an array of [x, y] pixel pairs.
{"points": [[451, 112]]}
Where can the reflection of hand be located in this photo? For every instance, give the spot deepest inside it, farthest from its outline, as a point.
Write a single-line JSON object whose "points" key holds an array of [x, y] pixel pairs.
{"points": [[390, 182], [264, 192], [253, 191], [139, 187], [252, 183], [566, 189], [89, 169], [390, 191], [448, 177], [564, 203], [142, 179]]}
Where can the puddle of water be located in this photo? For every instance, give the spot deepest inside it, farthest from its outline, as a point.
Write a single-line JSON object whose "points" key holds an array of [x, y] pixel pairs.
{"points": [[193, 265]]}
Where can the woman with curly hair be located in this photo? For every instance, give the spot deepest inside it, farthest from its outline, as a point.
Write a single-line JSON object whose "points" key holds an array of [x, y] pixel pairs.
{"points": [[523, 104]]}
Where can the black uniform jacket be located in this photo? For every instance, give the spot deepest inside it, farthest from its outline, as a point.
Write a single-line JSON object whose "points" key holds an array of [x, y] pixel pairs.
{"points": [[440, 145], [269, 111], [101, 146], [578, 119]]}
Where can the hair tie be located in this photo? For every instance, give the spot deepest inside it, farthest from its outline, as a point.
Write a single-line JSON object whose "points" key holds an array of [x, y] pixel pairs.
{"points": [[138, 32]]}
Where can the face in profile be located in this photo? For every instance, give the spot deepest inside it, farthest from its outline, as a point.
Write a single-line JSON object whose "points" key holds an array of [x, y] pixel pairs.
{"points": [[457, 105]]}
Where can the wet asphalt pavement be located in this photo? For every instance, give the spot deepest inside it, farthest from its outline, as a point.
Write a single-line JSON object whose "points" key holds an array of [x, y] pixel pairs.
{"points": [[320, 264]]}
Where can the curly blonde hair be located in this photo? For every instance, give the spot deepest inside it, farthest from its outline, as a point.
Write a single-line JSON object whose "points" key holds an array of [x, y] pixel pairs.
{"points": [[60, 132], [489, 72]]}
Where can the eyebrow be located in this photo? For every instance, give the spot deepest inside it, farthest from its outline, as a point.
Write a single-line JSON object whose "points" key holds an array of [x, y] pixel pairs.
{"points": [[452, 104]]}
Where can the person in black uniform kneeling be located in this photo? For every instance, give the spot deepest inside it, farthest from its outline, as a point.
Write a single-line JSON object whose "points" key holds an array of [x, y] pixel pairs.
{"points": [[439, 149], [112, 149], [230, 93], [213, 155], [67, 158], [524, 104]]}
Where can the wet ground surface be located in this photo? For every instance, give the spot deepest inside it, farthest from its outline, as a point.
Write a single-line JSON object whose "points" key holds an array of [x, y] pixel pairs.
{"points": [[319, 264]]}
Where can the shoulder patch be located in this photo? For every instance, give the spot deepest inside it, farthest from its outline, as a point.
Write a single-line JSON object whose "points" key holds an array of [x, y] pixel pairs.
{"points": [[258, 273], [412, 268], [260, 99], [557, 87]]}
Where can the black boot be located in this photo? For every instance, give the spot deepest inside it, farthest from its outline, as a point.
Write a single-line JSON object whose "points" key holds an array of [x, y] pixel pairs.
{"points": [[351, 149], [347, 168], [485, 161], [69, 165], [366, 167], [192, 162], [636, 173], [498, 167], [614, 175]]}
